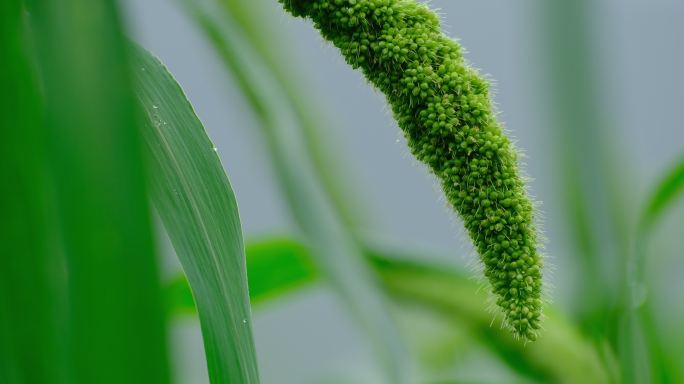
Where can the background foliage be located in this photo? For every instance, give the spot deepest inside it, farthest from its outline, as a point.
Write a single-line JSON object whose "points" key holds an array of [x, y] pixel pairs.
{"points": [[357, 272]]}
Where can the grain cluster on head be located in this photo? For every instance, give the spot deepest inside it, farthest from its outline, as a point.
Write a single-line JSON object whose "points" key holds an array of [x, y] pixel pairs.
{"points": [[443, 107]]}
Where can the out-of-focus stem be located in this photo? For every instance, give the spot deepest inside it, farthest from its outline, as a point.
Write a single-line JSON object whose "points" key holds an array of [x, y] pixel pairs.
{"points": [[251, 18], [597, 195], [593, 188], [333, 247]]}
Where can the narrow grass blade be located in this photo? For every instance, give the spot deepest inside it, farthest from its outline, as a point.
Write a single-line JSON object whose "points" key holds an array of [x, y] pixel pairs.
{"points": [[561, 356], [117, 329], [261, 29], [31, 342], [196, 203], [592, 185], [643, 353], [333, 246], [668, 190]]}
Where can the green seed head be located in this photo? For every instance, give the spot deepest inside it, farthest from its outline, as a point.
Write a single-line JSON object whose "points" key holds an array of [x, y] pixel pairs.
{"points": [[443, 107]]}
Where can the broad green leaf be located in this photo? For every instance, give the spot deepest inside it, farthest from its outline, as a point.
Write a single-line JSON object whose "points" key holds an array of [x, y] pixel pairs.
{"points": [[197, 206], [560, 355], [334, 249], [31, 340], [117, 331]]}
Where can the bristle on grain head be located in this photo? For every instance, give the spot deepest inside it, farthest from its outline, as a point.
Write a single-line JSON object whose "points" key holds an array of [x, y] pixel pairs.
{"points": [[443, 107]]}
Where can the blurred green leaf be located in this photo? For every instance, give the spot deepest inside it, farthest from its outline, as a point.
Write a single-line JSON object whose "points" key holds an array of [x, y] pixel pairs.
{"points": [[260, 27], [588, 169], [117, 331], [196, 203], [278, 266], [667, 191], [275, 267], [561, 355], [333, 247], [644, 356], [178, 297], [31, 282]]}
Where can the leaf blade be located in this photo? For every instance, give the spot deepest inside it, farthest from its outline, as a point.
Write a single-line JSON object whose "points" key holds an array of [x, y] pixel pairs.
{"points": [[642, 349], [197, 206], [666, 192], [116, 331], [335, 248], [562, 355], [276, 267], [30, 286]]}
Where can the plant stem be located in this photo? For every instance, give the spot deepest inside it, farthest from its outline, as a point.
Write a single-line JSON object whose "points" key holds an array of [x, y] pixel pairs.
{"points": [[595, 202], [256, 27], [332, 245]]}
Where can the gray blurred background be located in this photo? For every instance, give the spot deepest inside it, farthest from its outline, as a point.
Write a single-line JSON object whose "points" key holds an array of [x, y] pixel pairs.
{"points": [[637, 54]]}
